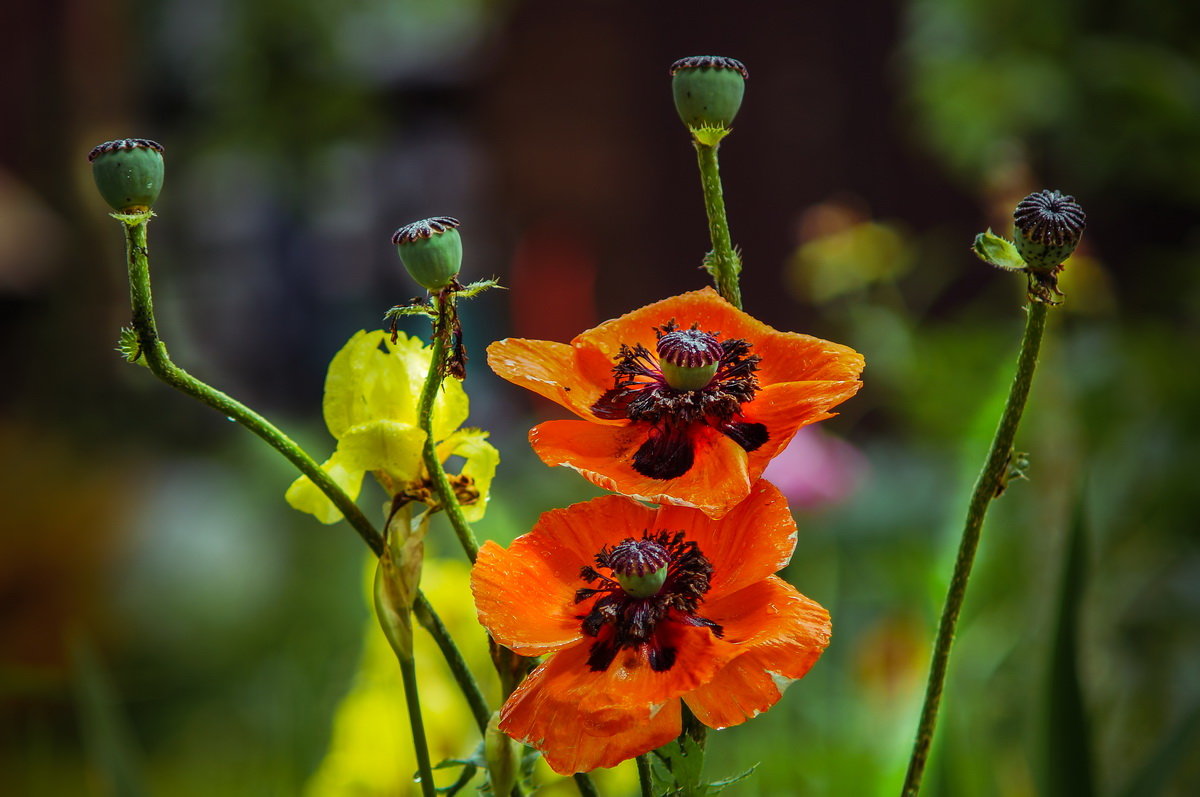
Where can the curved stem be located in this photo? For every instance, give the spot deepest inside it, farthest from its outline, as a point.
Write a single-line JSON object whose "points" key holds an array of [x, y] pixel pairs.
{"points": [[408, 671], [644, 781], [725, 265], [430, 621], [155, 353], [433, 383], [990, 483]]}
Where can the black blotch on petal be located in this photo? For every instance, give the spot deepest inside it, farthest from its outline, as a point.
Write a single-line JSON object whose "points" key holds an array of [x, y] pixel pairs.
{"points": [[749, 436], [666, 454], [601, 655], [661, 659]]}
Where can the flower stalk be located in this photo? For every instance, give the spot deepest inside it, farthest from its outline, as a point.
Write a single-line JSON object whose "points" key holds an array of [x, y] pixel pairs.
{"points": [[991, 482], [154, 351], [443, 329], [723, 262]]}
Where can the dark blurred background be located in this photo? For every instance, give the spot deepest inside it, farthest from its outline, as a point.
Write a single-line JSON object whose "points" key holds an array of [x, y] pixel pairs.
{"points": [[168, 625]]}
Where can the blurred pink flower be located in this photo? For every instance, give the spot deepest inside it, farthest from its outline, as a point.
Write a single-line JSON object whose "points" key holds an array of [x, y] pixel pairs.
{"points": [[817, 470]]}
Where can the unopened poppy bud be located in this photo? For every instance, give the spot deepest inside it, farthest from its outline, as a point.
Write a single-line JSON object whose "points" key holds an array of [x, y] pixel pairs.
{"points": [[431, 250], [708, 89], [502, 756], [128, 173], [1047, 227], [689, 358], [640, 566]]}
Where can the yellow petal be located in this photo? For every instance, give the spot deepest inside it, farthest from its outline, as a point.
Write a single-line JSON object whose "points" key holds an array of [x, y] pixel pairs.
{"points": [[307, 497], [355, 365], [481, 461], [451, 405], [389, 446]]}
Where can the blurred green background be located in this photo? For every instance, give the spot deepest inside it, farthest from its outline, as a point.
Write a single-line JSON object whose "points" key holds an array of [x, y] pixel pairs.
{"points": [[169, 626]]}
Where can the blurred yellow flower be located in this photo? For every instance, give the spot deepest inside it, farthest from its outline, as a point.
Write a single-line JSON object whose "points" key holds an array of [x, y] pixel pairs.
{"points": [[371, 395]]}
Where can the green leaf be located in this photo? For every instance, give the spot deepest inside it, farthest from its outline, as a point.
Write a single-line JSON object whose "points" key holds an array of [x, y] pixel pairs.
{"points": [[402, 310], [1066, 743], [130, 347], [717, 786], [476, 288], [677, 768], [999, 252]]}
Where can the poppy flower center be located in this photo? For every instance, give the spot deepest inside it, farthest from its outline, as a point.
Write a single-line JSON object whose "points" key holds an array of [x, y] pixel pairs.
{"points": [[697, 380], [689, 358], [632, 610]]}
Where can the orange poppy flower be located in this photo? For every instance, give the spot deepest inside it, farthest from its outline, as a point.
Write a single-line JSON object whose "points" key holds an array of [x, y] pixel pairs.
{"points": [[640, 607], [683, 401]]}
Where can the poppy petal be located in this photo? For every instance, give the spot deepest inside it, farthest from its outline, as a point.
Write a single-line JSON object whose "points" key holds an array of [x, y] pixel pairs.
{"points": [[564, 699], [550, 369], [786, 356], [783, 634], [525, 595], [785, 408], [603, 455], [748, 544]]}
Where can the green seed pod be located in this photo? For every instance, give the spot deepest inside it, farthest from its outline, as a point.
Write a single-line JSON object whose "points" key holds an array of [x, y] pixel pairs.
{"points": [[128, 173], [431, 250], [1047, 226], [708, 89], [689, 358]]}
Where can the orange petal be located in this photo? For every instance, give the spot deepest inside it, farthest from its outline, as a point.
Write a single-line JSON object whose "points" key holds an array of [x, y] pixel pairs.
{"points": [[716, 482], [787, 356], [563, 702], [550, 369], [526, 595], [785, 408], [750, 543], [783, 634]]}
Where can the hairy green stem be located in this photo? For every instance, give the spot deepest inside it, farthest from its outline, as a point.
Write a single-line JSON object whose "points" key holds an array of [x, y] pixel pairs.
{"points": [[155, 353], [990, 483], [725, 265], [408, 671], [644, 781], [433, 383]]}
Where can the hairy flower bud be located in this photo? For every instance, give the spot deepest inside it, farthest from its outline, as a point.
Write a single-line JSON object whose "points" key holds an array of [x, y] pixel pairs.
{"points": [[431, 250], [128, 173], [1047, 226], [708, 89]]}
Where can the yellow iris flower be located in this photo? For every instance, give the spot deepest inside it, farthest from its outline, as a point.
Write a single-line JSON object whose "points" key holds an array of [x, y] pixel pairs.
{"points": [[370, 406]]}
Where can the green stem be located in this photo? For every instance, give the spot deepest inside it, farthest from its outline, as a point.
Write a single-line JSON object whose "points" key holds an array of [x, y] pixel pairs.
{"points": [[155, 353], [990, 483], [584, 783], [725, 264], [433, 383], [644, 781], [454, 658], [408, 671]]}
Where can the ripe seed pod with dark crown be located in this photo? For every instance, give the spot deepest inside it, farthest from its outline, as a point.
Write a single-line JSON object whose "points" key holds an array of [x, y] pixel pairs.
{"points": [[708, 89], [1047, 226], [431, 250], [128, 173]]}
